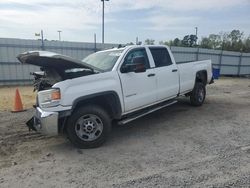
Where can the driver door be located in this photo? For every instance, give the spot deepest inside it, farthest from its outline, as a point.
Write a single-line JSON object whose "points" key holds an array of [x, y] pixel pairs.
{"points": [[139, 88]]}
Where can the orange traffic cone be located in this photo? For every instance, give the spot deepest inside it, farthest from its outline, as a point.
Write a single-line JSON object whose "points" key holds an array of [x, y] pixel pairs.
{"points": [[18, 106]]}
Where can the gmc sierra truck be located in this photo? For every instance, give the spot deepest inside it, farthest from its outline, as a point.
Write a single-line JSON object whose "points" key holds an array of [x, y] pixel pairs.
{"points": [[83, 98]]}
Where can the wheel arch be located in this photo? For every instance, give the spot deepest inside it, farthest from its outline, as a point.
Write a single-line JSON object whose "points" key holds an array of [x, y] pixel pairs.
{"points": [[201, 76], [109, 100]]}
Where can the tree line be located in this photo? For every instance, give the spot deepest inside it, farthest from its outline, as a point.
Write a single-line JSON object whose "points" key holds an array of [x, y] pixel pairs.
{"points": [[231, 41]]}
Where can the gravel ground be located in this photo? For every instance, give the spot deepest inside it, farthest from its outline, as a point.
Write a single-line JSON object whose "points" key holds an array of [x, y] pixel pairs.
{"points": [[179, 146], [7, 97]]}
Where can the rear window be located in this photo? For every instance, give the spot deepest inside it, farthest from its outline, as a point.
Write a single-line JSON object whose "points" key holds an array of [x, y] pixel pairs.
{"points": [[161, 57]]}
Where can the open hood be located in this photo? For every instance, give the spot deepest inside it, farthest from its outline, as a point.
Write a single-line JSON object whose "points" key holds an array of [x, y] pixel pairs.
{"points": [[55, 68], [53, 60]]}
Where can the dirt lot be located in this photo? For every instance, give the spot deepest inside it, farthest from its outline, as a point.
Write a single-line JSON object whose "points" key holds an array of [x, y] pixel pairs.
{"points": [[7, 95], [180, 146]]}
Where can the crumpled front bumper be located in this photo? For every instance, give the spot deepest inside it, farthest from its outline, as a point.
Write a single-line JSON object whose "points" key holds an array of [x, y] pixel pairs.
{"points": [[44, 122]]}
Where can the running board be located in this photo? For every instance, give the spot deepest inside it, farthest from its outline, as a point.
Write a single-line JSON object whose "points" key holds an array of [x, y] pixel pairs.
{"points": [[134, 117]]}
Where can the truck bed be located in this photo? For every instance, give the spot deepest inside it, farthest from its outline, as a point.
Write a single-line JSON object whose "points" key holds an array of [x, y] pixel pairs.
{"points": [[187, 71]]}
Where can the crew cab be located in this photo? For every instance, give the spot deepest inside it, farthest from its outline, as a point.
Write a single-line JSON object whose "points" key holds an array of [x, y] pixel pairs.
{"points": [[83, 98]]}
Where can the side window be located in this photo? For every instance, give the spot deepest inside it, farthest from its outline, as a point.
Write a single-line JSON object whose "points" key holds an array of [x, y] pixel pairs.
{"points": [[136, 53], [161, 57]]}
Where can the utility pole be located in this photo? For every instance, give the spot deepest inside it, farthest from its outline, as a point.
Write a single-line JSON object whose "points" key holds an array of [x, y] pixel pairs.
{"points": [[59, 34], [136, 41], [103, 20]]}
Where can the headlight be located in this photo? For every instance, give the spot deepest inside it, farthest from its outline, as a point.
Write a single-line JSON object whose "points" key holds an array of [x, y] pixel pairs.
{"points": [[49, 98]]}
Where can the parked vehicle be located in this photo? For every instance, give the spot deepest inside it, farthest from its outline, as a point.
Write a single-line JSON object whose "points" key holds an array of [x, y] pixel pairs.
{"points": [[82, 98]]}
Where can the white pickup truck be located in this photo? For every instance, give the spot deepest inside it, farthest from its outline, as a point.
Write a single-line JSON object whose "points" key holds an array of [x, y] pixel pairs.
{"points": [[83, 98]]}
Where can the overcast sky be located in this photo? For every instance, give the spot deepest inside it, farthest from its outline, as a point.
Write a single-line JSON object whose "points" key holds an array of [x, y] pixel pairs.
{"points": [[124, 19]]}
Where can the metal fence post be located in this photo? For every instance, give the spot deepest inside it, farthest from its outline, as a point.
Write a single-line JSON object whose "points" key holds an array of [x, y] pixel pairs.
{"points": [[94, 42], [197, 54], [220, 62], [239, 65]]}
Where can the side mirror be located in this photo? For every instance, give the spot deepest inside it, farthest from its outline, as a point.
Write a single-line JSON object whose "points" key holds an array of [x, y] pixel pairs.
{"points": [[137, 66], [127, 68]]}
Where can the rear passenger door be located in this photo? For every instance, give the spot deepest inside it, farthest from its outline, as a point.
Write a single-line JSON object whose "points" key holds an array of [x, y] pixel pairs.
{"points": [[167, 76]]}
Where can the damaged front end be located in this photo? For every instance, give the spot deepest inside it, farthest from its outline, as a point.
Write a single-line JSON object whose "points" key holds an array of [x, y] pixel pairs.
{"points": [[45, 79], [54, 68], [31, 124], [44, 122]]}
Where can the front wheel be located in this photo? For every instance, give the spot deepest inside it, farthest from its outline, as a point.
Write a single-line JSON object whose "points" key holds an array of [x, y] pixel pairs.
{"points": [[198, 94], [88, 127]]}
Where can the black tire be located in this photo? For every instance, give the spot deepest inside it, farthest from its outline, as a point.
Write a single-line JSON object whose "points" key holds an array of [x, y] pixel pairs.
{"points": [[74, 131], [198, 95]]}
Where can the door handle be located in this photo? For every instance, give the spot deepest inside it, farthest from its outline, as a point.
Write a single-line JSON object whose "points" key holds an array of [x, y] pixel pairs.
{"points": [[174, 70], [150, 75]]}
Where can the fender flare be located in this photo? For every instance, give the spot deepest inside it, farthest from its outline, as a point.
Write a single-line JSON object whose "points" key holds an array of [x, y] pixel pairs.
{"points": [[111, 96]]}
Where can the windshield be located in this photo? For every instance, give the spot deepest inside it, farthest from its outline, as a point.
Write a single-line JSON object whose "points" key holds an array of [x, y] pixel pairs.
{"points": [[103, 60]]}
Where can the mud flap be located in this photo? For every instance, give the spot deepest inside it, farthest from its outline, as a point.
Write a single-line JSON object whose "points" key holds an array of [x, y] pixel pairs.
{"points": [[211, 81], [31, 123]]}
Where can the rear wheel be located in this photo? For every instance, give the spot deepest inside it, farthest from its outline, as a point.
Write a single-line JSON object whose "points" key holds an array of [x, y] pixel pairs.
{"points": [[198, 94], [88, 127]]}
